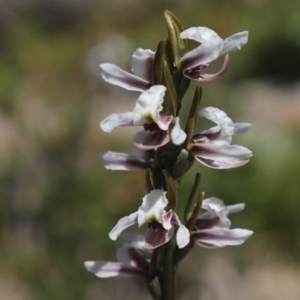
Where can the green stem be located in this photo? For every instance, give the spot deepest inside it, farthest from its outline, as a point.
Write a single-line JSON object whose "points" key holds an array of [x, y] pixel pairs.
{"points": [[169, 272]]}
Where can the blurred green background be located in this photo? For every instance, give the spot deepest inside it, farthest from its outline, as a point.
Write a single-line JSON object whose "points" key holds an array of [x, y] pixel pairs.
{"points": [[57, 203]]}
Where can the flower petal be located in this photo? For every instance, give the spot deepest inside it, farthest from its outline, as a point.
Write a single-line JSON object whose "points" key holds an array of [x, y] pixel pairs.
{"points": [[213, 203], [222, 120], [224, 152], [153, 141], [221, 156], [221, 165], [149, 105], [182, 234], [201, 35], [164, 122], [215, 216], [122, 162], [214, 76], [166, 220], [221, 237], [141, 154], [202, 55], [178, 136], [235, 42], [155, 238], [123, 224], [115, 75], [208, 220], [115, 120], [232, 209], [240, 128], [104, 269], [207, 136], [142, 63], [152, 208], [212, 219]]}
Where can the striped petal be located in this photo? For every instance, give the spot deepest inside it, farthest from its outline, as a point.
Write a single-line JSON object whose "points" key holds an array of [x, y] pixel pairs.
{"points": [[221, 156], [202, 55], [210, 77], [153, 141], [104, 269], [122, 162], [115, 75], [157, 236], [221, 237]]}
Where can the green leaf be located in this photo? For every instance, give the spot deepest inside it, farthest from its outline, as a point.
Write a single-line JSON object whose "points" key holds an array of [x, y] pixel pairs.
{"points": [[189, 129], [178, 46], [182, 84], [171, 191], [170, 99], [149, 180], [163, 53], [189, 208], [191, 222], [162, 74]]}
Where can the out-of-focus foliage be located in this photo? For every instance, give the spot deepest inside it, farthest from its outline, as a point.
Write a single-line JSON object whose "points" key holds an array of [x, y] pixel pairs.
{"points": [[57, 203]]}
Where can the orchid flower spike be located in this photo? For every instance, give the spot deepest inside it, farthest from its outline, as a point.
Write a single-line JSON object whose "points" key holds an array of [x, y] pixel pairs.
{"points": [[212, 229], [212, 47], [161, 223], [131, 263], [141, 65], [147, 113], [212, 147]]}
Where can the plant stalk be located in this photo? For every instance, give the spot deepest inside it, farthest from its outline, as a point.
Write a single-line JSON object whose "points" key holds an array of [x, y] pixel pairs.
{"points": [[169, 272]]}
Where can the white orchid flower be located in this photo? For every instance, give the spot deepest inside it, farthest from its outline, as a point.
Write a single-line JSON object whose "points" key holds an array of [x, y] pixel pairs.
{"points": [[212, 229], [212, 47], [161, 223], [146, 113], [212, 147]]}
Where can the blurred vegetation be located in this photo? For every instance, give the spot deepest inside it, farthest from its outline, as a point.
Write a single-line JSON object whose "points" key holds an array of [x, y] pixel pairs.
{"points": [[57, 203]]}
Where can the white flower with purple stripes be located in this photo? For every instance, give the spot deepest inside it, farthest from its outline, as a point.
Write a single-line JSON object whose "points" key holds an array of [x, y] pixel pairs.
{"points": [[212, 47], [147, 113], [161, 223], [212, 229], [213, 147]]}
